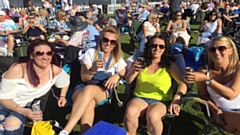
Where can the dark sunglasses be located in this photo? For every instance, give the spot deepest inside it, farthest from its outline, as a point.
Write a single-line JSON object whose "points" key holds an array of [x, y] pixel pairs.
{"points": [[41, 53], [179, 15], [219, 48], [112, 42], [156, 45], [213, 14]]}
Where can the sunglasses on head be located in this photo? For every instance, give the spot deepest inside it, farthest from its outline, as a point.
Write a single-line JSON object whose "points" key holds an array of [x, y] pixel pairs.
{"points": [[157, 45], [219, 48], [41, 53], [112, 42]]}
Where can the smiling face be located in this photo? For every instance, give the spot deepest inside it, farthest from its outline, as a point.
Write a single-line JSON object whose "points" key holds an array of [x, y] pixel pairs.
{"points": [[109, 42], [157, 48], [220, 52], [42, 56]]}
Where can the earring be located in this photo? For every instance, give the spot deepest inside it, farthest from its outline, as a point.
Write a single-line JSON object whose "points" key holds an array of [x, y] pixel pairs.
{"points": [[31, 57]]}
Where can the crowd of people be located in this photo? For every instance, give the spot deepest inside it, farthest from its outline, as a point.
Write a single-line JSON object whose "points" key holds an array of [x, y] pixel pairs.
{"points": [[152, 70]]}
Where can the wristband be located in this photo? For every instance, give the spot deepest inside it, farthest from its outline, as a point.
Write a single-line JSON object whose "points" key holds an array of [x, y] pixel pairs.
{"points": [[91, 72]]}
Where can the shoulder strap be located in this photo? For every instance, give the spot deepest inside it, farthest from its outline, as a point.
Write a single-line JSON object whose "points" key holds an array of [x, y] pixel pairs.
{"points": [[207, 70], [23, 71], [108, 63]]}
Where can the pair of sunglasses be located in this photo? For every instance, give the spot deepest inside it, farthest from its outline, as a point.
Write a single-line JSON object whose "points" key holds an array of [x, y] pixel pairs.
{"points": [[219, 48], [41, 53], [112, 42], [157, 45]]}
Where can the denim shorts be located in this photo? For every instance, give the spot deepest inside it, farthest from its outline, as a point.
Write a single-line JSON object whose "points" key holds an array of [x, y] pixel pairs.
{"points": [[229, 109], [81, 86], [151, 101], [3, 38], [6, 113]]}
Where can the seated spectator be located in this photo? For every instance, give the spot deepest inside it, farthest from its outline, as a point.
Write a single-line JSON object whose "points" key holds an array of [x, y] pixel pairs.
{"points": [[73, 10], [178, 28], [149, 29], [218, 83], [121, 15], [13, 13], [194, 7], [65, 6], [212, 27], [210, 5], [90, 17], [164, 8], [152, 95], [143, 14], [58, 5], [22, 18], [233, 6], [59, 24], [7, 29], [87, 95], [95, 11], [85, 36], [33, 29], [104, 21], [43, 13], [31, 8], [48, 6], [228, 17], [27, 80]]}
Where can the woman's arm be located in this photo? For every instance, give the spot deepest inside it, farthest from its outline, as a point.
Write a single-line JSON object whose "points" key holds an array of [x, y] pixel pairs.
{"points": [[169, 26], [132, 74], [158, 27], [231, 92], [202, 26], [203, 93], [219, 27], [184, 27], [86, 72], [145, 31], [177, 76], [25, 29]]}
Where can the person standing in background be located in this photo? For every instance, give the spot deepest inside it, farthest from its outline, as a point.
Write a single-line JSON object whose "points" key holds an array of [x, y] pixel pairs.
{"points": [[4, 4], [174, 6]]}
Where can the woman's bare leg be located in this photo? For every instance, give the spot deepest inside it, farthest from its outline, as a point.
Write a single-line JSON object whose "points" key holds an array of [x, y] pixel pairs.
{"points": [[81, 101]]}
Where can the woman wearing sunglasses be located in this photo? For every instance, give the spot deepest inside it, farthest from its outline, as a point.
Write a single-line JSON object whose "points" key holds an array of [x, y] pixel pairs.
{"points": [[152, 95], [211, 28], [88, 94], [218, 83], [26, 80]]}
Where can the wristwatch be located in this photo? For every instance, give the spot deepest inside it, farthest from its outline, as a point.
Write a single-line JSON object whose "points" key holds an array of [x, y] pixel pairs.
{"points": [[208, 81], [91, 72]]}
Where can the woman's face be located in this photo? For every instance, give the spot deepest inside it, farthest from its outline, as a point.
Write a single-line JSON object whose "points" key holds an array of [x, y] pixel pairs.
{"points": [[178, 16], [213, 16], [42, 56], [109, 42], [220, 52], [157, 48]]}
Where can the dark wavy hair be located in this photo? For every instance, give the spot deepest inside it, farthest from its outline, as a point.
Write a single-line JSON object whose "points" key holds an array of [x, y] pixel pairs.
{"points": [[167, 56], [31, 73]]}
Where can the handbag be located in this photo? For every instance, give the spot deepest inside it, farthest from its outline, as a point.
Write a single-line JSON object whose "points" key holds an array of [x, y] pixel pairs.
{"points": [[43, 128]]}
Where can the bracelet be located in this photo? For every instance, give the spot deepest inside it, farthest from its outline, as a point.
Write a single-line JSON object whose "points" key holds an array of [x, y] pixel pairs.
{"points": [[91, 72], [62, 96]]}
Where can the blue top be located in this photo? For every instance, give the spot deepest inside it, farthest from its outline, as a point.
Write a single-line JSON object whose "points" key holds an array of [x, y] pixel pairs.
{"points": [[93, 36], [144, 15]]}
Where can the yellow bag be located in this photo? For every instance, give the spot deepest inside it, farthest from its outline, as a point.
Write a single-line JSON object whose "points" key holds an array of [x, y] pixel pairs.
{"points": [[42, 128]]}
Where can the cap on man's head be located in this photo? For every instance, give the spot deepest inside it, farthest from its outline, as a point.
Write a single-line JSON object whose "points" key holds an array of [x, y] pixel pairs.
{"points": [[94, 5], [2, 13]]}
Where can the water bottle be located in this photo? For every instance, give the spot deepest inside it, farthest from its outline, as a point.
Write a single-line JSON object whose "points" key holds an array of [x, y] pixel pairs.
{"points": [[36, 108]]}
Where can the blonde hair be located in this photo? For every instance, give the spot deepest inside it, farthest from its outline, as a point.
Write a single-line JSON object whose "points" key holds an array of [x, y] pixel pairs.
{"points": [[43, 12], [151, 16], [233, 59], [60, 14], [116, 53]]}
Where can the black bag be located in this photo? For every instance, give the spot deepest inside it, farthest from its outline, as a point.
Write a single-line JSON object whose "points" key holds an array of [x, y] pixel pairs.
{"points": [[6, 62]]}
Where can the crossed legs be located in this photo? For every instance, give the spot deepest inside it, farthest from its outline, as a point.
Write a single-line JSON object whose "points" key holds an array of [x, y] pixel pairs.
{"points": [[84, 102]]}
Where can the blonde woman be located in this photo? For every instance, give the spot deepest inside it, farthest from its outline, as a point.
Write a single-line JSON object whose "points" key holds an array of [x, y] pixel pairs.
{"points": [[218, 83], [150, 27], [42, 17], [59, 24], [86, 96]]}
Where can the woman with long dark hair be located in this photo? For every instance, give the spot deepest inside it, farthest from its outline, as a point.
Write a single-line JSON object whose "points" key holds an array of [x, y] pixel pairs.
{"points": [[26, 80], [152, 95]]}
